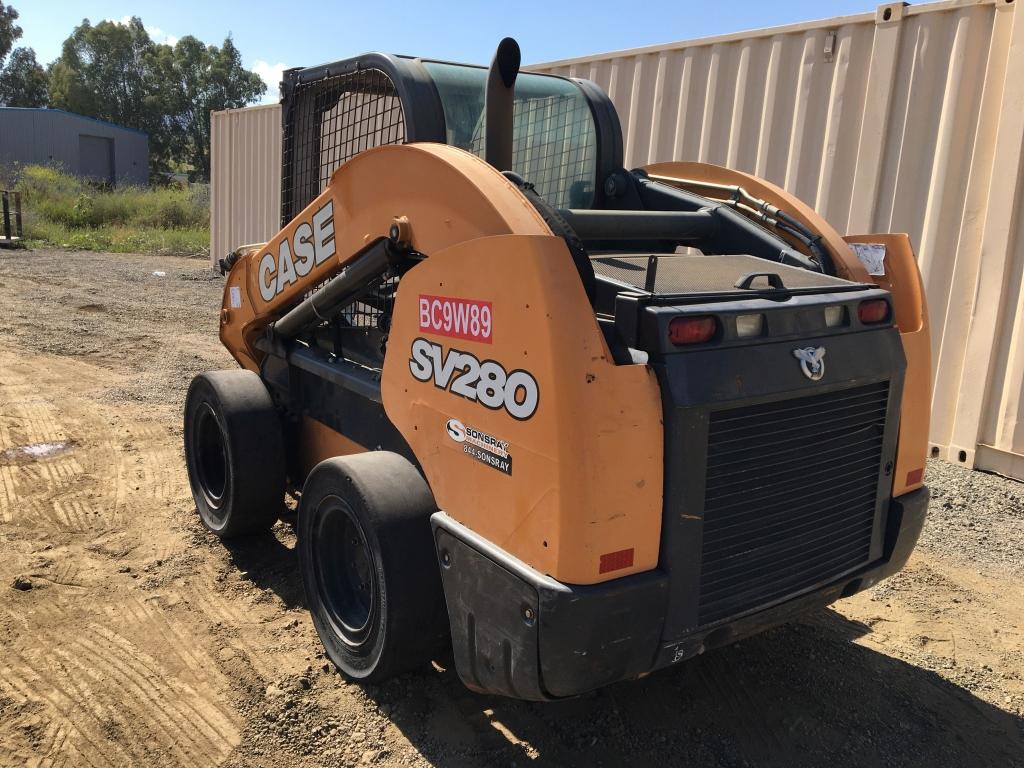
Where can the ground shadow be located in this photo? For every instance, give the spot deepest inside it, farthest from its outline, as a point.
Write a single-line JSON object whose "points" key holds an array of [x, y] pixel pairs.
{"points": [[269, 561], [800, 695]]}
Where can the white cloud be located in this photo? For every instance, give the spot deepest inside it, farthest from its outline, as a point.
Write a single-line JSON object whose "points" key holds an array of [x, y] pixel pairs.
{"points": [[155, 33], [160, 37], [271, 75]]}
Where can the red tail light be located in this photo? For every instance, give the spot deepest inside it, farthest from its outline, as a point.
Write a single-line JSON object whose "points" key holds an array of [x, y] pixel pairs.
{"points": [[873, 311], [692, 330]]}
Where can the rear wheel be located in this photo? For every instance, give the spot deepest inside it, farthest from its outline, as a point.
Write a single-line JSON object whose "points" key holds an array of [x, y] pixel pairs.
{"points": [[234, 451], [368, 565]]}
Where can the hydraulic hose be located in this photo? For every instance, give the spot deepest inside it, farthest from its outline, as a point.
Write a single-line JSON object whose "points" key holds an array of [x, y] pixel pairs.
{"points": [[764, 212]]}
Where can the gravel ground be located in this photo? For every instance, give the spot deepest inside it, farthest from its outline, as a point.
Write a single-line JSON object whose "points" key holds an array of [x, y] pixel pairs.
{"points": [[975, 517], [130, 636]]}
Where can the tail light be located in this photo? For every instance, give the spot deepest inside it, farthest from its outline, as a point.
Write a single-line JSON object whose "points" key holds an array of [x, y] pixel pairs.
{"points": [[873, 311], [692, 330], [834, 316], [749, 325]]}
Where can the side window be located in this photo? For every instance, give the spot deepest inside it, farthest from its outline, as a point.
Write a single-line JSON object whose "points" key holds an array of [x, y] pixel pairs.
{"points": [[554, 140]]}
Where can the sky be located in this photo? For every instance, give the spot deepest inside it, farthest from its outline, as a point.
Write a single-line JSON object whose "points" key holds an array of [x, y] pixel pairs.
{"points": [[298, 33]]}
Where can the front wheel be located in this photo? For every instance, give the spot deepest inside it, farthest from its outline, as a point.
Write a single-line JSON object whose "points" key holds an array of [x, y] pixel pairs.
{"points": [[368, 565], [234, 451]]}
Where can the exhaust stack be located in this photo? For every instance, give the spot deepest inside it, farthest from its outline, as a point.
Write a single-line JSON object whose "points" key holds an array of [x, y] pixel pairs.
{"points": [[501, 81]]}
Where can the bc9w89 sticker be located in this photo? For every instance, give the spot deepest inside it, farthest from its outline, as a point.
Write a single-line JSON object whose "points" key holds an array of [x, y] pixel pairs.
{"points": [[487, 382], [458, 318]]}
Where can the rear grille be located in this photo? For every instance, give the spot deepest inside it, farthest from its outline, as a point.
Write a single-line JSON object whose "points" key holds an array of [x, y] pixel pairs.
{"points": [[790, 496]]}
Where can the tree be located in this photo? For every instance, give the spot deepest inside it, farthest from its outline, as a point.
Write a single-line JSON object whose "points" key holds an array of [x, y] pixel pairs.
{"points": [[198, 79], [115, 72], [102, 72], [9, 31], [23, 82]]}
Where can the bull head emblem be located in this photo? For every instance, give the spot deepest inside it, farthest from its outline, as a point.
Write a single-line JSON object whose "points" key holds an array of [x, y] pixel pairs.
{"points": [[812, 361]]}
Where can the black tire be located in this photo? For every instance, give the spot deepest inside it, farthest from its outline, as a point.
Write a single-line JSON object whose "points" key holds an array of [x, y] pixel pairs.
{"points": [[369, 567], [234, 451]]}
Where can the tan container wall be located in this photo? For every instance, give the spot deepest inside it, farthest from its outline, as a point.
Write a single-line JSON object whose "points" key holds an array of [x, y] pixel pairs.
{"points": [[908, 119], [905, 119], [245, 177]]}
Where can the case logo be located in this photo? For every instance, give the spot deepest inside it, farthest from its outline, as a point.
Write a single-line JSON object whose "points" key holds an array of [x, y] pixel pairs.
{"points": [[487, 382], [311, 245], [812, 361]]}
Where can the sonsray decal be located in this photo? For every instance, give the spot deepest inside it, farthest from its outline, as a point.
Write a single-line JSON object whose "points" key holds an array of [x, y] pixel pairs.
{"points": [[486, 382], [458, 318], [485, 448]]}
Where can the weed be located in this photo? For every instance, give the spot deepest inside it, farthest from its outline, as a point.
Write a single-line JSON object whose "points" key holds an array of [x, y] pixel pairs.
{"points": [[64, 211]]}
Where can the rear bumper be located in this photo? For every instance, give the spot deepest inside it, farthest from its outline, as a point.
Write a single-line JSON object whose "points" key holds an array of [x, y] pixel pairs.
{"points": [[519, 633]]}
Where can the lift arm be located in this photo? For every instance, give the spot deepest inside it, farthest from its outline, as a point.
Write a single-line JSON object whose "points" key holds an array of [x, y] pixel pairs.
{"points": [[446, 195]]}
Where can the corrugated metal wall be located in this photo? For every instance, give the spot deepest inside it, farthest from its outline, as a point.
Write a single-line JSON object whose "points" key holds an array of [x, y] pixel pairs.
{"points": [[245, 177], [55, 137], [907, 119]]}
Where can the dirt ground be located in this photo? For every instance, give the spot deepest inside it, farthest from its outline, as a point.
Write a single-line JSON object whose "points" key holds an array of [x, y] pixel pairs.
{"points": [[129, 636]]}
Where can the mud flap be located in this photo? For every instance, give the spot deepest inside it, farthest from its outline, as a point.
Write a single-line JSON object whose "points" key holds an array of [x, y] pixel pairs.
{"points": [[493, 618], [519, 633]]}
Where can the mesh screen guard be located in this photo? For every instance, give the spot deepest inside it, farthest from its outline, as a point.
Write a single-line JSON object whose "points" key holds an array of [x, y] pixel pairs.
{"points": [[331, 121]]}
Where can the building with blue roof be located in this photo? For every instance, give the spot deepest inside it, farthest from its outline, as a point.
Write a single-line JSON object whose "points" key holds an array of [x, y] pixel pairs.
{"points": [[83, 146]]}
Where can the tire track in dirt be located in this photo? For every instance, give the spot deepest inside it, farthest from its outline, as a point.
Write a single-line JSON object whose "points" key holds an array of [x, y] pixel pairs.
{"points": [[145, 682], [236, 622], [199, 732], [8, 496], [100, 476], [27, 686], [112, 679], [210, 639]]}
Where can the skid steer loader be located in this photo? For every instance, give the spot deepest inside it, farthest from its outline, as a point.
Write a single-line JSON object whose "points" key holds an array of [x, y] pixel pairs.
{"points": [[579, 422]]}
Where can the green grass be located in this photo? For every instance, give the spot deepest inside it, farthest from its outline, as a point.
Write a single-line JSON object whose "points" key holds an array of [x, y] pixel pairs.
{"points": [[63, 211]]}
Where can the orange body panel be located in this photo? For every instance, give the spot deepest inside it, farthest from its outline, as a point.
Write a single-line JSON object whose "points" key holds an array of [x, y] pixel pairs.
{"points": [[587, 465], [903, 279], [317, 442]]}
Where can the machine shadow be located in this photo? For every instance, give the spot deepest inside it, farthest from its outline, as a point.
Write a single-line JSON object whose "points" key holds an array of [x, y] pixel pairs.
{"points": [[802, 694], [270, 563]]}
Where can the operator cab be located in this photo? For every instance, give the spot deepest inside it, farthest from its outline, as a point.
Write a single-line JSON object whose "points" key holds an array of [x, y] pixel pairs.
{"points": [[335, 111]]}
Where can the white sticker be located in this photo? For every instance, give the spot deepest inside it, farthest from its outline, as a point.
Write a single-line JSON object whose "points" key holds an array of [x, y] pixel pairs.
{"points": [[485, 448], [872, 256], [235, 297]]}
